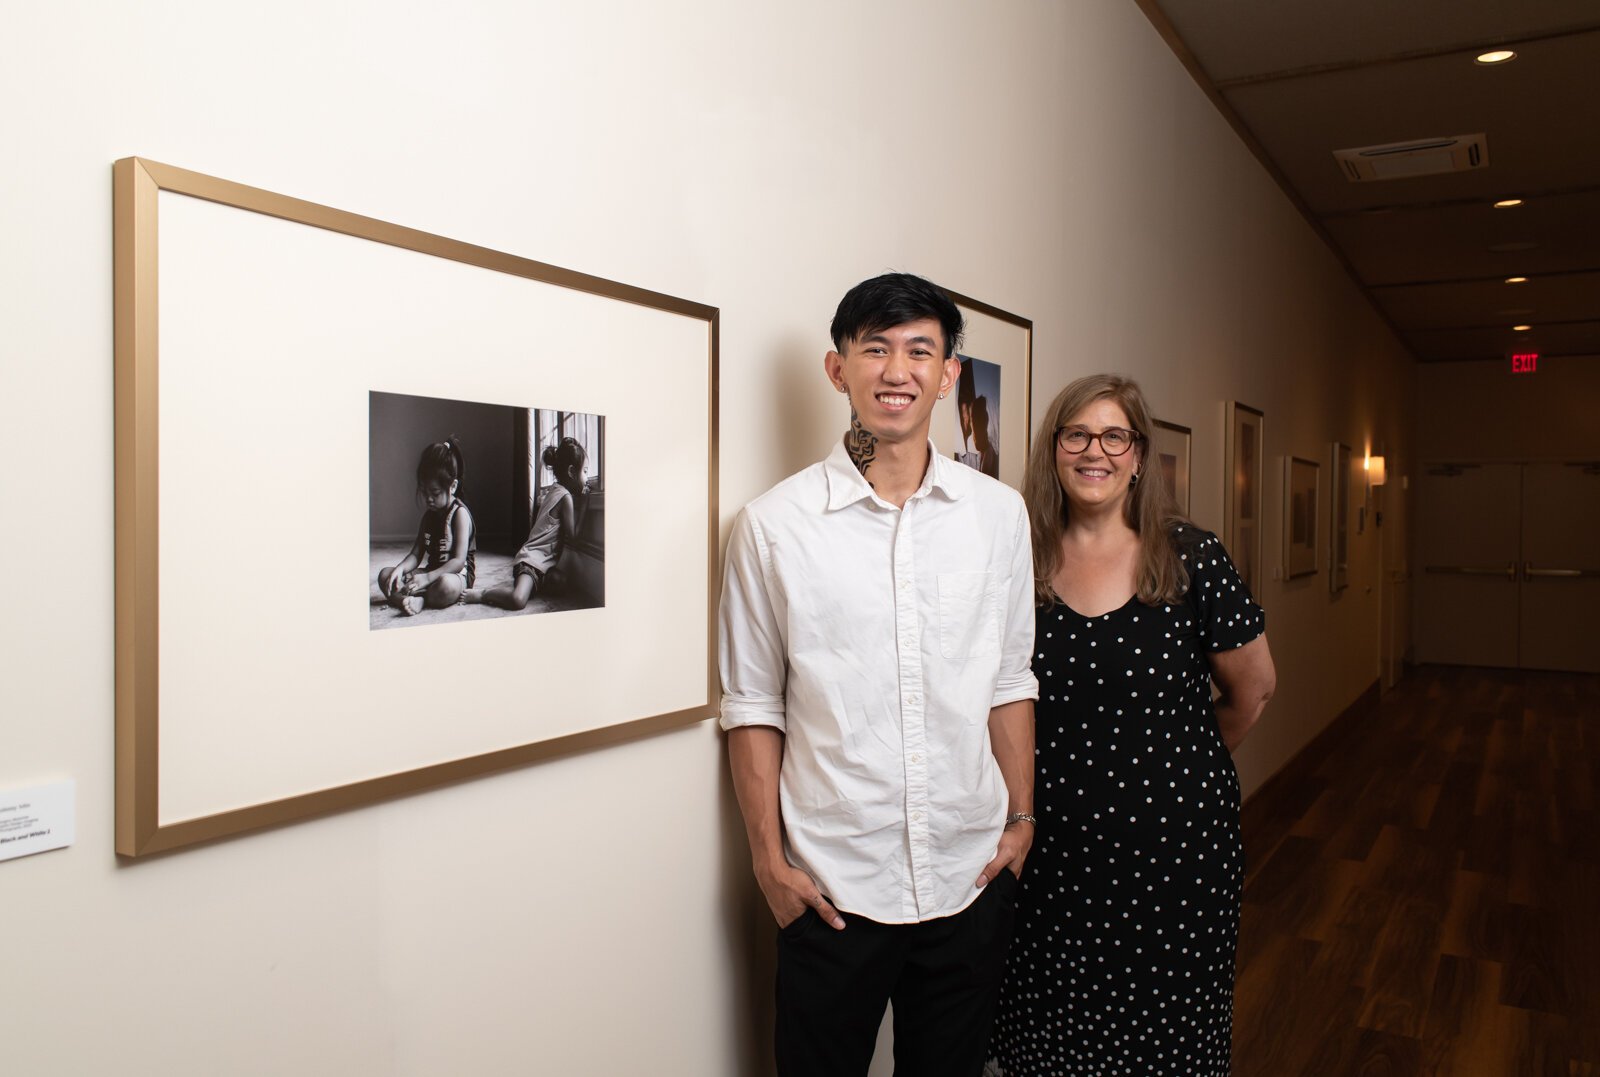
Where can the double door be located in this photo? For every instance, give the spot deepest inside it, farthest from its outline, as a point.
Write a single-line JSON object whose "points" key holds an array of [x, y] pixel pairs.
{"points": [[1510, 566]]}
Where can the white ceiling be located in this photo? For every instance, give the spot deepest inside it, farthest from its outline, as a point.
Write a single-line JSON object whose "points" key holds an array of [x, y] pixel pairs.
{"points": [[1302, 78]]}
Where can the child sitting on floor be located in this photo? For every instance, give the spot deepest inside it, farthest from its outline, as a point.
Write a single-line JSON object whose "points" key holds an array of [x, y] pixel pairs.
{"points": [[560, 508], [441, 565]]}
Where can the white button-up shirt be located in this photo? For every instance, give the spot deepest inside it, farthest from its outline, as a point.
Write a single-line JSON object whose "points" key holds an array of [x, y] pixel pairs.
{"points": [[877, 639]]}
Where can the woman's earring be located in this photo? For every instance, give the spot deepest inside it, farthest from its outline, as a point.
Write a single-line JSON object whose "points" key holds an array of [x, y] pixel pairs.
{"points": [[1134, 479]]}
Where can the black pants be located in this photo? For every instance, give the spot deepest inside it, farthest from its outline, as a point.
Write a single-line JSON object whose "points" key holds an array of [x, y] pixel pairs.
{"points": [[943, 977]]}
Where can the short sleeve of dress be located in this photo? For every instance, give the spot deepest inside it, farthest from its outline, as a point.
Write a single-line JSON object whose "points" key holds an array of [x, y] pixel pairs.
{"points": [[1227, 615]]}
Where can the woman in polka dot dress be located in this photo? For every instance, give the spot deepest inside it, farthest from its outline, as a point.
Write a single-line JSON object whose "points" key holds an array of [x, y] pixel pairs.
{"points": [[1127, 920]]}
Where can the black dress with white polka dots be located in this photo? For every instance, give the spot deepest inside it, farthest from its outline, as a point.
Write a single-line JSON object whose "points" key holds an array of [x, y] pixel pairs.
{"points": [[1128, 916]]}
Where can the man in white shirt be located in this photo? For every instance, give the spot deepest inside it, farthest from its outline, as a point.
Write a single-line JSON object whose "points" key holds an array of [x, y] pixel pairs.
{"points": [[875, 636]]}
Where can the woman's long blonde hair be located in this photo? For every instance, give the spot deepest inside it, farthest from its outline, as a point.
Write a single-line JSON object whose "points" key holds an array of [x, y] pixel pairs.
{"points": [[1151, 511]]}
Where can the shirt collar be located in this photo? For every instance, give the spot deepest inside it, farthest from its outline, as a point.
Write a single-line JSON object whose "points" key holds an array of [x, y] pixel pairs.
{"points": [[846, 485]]}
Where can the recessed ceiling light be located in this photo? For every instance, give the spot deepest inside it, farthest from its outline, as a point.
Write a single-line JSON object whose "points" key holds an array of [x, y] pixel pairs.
{"points": [[1516, 280], [1507, 203], [1498, 56], [1521, 328]]}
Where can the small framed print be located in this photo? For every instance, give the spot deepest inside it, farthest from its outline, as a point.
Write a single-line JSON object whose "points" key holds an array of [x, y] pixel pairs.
{"points": [[1170, 446], [989, 424], [1300, 527], [1339, 518], [1242, 526]]}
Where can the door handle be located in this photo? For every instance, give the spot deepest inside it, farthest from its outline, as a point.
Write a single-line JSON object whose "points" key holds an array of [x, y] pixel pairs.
{"points": [[1529, 572], [1510, 571]]}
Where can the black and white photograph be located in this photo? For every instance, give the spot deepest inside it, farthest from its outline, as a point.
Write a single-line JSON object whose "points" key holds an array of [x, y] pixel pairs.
{"points": [[482, 510], [978, 413]]}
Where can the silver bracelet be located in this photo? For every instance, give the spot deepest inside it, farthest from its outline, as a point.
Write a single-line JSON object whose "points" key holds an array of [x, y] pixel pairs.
{"points": [[1021, 817]]}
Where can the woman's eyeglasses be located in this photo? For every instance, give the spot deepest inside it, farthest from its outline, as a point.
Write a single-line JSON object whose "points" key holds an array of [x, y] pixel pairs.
{"points": [[1114, 440]]}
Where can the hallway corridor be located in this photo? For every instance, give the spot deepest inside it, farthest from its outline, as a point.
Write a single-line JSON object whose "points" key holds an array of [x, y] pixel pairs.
{"points": [[1426, 898]]}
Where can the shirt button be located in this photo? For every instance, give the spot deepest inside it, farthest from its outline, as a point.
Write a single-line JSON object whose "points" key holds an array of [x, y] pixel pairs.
{"points": [[912, 700], [915, 758], [916, 817]]}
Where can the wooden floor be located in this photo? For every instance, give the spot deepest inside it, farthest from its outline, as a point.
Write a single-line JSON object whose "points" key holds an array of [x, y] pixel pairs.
{"points": [[1424, 896]]}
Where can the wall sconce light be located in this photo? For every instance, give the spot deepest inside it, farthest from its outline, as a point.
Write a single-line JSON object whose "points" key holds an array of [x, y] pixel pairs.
{"points": [[1377, 475]]}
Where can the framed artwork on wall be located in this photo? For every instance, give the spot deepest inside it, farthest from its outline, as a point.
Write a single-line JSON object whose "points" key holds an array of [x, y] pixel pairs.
{"points": [[1339, 516], [1246, 441], [1169, 459], [1300, 525], [987, 421], [328, 425]]}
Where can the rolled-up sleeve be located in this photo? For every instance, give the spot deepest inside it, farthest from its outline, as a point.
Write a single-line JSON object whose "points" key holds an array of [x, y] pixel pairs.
{"points": [[1016, 680], [750, 649]]}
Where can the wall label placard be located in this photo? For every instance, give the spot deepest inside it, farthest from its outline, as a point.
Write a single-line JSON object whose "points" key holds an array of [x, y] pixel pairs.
{"points": [[37, 819]]}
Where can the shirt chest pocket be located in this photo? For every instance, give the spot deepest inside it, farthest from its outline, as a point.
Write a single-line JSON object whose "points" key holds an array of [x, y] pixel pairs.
{"points": [[969, 615]]}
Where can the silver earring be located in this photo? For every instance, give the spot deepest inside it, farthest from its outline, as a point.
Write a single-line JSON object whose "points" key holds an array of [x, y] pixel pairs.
{"points": [[1134, 479]]}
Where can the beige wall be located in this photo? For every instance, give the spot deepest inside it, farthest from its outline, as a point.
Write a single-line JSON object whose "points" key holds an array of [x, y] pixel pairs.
{"points": [[1480, 412], [591, 915]]}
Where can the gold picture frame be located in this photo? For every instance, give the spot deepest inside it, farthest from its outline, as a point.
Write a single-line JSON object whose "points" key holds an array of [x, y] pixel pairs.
{"points": [[249, 328]]}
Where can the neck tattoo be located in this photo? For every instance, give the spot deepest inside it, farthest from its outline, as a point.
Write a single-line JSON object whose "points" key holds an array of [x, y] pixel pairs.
{"points": [[861, 444]]}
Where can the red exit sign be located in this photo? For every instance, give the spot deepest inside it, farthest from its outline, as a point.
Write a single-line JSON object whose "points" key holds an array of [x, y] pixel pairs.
{"points": [[1524, 362]]}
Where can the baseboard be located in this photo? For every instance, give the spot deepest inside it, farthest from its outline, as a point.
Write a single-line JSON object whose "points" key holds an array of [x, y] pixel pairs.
{"points": [[1281, 794]]}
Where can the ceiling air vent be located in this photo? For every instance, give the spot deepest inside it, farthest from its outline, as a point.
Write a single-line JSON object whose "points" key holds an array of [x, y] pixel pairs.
{"points": [[1420, 157]]}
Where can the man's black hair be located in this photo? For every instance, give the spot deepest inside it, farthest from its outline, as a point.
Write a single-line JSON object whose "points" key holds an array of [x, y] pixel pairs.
{"points": [[895, 299]]}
